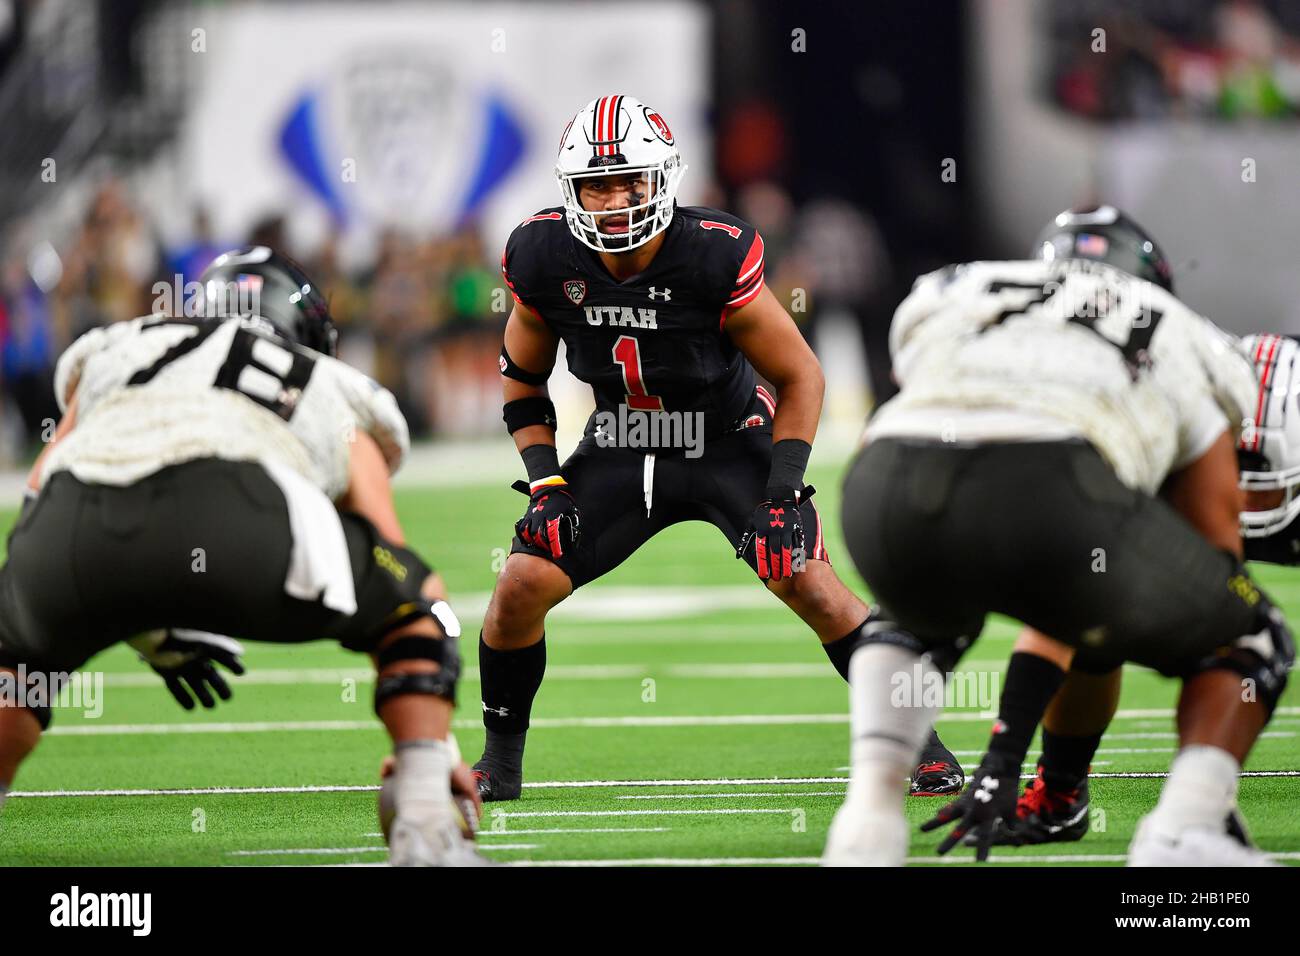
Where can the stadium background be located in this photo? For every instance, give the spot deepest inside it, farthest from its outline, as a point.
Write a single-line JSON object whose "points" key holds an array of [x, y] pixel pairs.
{"points": [[392, 146]]}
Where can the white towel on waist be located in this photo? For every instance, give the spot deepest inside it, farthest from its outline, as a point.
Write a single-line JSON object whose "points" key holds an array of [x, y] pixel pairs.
{"points": [[319, 566]]}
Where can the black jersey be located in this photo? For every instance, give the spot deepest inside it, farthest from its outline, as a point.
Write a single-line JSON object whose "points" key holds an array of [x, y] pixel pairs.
{"points": [[657, 341]]}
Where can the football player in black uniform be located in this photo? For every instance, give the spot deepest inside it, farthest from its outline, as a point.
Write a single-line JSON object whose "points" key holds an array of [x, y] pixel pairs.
{"points": [[227, 475], [663, 311], [1054, 807], [1044, 404]]}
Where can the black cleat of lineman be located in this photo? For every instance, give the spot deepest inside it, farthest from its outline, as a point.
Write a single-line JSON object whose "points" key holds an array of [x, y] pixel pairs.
{"points": [[937, 774], [496, 783]]}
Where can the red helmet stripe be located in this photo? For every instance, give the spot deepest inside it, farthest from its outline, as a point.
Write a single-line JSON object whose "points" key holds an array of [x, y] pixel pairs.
{"points": [[1264, 381], [1259, 404], [595, 126], [610, 119]]}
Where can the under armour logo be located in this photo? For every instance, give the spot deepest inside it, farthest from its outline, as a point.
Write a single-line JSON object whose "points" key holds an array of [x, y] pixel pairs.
{"points": [[776, 517], [663, 296], [987, 785]]}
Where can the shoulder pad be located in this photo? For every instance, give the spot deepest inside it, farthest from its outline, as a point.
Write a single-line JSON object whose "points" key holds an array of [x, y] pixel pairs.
{"points": [[67, 373], [729, 251], [376, 411], [521, 260]]}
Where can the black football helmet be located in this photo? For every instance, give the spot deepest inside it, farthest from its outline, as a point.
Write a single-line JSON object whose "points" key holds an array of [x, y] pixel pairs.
{"points": [[258, 282], [1104, 234]]}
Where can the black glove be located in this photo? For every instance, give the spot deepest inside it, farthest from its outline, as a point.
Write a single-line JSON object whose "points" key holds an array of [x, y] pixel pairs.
{"points": [[190, 656], [777, 533], [551, 521], [990, 797]]}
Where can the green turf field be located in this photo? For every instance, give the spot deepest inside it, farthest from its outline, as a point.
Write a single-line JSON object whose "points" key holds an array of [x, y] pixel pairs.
{"points": [[686, 717]]}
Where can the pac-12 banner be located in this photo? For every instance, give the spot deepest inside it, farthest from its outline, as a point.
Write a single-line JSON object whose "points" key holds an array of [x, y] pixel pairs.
{"points": [[423, 116]]}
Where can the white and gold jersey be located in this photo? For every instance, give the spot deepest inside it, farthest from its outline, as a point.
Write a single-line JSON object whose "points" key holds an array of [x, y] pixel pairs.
{"points": [[155, 392], [1030, 350]]}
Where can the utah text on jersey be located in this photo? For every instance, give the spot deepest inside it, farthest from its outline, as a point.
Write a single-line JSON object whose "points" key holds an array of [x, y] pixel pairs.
{"points": [[615, 315]]}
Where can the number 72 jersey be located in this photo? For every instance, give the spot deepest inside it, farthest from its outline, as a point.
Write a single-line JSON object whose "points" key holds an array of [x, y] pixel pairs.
{"points": [[1071, 346], [657, 341], [156, 391]]}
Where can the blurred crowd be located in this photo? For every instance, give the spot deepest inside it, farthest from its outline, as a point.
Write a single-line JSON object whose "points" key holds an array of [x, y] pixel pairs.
{"points": [[1228, 59], [420, 317], [424, 318]]}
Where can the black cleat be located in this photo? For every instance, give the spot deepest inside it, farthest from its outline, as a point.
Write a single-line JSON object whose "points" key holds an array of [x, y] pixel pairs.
{"points": [[1045, 815], [938, 774], [496, 784]]}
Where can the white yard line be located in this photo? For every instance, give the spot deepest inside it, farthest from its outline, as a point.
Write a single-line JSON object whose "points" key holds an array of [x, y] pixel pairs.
{"points": [[192, 791], [1056, 858], [340, 851], [812, 860], [617, 604], [1101, 750], [89, 728], [309, 851], [561, 830], [551, 830], [727, 796], [1155, 773], [1170, 735], [92, 729], [691, 782], [535, 814], [333, 675], [542, 785], [678, 861]]}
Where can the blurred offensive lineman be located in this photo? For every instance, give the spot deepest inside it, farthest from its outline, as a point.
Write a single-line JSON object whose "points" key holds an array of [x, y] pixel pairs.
{"points": [[663, 311], [1054, 807], [1043, 405], [192, 484]]}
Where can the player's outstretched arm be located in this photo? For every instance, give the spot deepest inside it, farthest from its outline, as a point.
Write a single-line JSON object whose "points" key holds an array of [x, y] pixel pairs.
{"points": [[527, 357], [66, 424], [370, 492], [1207, 493], [768, 337]]}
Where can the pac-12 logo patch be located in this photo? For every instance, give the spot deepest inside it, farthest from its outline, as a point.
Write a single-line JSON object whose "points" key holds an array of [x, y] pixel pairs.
{"points": [[659, 126], [576, 290]]}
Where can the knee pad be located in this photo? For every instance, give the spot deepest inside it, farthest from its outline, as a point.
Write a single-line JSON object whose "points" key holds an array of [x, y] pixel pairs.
{"points": [[13, 694], [943, 654], [443, 650], [1264, 656]]}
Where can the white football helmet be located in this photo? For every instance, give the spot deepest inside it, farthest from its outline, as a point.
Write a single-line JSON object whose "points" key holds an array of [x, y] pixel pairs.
{"points": [[618, 135], [1269, 449]]}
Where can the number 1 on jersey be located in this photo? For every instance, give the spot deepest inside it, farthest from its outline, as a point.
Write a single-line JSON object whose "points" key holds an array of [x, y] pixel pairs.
{"points": [[627, 353]]}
